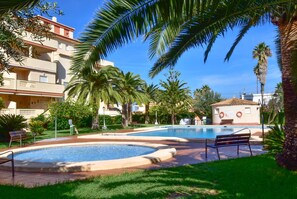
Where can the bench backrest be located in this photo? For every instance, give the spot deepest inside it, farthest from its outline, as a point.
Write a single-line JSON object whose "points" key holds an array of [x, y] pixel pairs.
{"points": [[17, 133], [242, 138]]}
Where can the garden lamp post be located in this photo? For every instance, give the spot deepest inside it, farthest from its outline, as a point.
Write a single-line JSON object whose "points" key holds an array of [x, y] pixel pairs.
{"points": [[104, 126], [156, 122]]}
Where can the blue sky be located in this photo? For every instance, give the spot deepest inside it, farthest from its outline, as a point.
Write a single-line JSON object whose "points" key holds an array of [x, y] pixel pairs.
{"points": [[228, 78]]}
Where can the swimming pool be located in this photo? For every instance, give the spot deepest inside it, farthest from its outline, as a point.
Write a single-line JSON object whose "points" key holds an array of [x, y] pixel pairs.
{"points": [[82, 153], [88, 156], [189, 132]]}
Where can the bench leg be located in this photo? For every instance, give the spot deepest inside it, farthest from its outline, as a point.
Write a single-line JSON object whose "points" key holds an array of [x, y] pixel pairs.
{"points": [[238, 150], [218, 153], [250, 149], [205, 152]]}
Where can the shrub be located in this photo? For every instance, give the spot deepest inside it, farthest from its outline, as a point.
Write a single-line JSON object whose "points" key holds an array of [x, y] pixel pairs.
{"points": [[10, 122], [80, 115], [36, 127], [274, 139], [43, 119]]}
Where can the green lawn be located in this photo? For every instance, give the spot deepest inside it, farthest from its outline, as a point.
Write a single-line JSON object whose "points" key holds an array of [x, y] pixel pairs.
{"points": [[253, 177], [64, 133]]}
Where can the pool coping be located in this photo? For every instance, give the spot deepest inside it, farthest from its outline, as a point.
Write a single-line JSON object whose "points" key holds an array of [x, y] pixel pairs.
{"points": [[164, 152], [129, 135]]}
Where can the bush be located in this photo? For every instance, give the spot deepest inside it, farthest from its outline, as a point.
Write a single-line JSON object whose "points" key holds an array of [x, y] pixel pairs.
{"points": [[41, 118], [274, 139], [80, 115], [36, 127], [10, 122]]}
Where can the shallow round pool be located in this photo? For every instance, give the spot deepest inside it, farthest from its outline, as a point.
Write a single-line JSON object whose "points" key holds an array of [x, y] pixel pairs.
{"points": [[89, 156], [83, 153]]}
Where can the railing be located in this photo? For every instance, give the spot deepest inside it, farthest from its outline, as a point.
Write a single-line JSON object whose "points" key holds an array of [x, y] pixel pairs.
{"points": [[27, 113], [242, 130], [39, 86], [36, 64]]}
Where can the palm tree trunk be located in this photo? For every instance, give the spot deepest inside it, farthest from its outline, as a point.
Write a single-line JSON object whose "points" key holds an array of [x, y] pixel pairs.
{"points": [[147, 113], [288, 157], [95, 118], [125, 115], [130, 113]]}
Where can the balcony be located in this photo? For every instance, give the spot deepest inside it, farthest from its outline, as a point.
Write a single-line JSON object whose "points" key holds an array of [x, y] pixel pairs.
{"points": [[36, 64], [46, 42], [23, 87], [27, 113]]}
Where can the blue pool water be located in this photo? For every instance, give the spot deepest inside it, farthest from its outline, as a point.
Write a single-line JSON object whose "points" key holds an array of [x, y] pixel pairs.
{"points": [[83, 153], [189, 132]]}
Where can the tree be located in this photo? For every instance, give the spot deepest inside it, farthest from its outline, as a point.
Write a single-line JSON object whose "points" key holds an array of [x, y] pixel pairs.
{"points": [[261, 52], [130, 89], [12, 5], [151, 92], [203, 98], [91, 87], [173, 27], [174, 96], [276, 105], [17, 18]]}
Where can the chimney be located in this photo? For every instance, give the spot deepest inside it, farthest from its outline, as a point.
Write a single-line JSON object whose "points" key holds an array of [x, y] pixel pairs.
{"points": [[54, 19]]}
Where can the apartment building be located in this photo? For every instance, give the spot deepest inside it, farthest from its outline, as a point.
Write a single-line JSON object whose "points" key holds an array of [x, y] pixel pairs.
{"points": [[42, 76]]}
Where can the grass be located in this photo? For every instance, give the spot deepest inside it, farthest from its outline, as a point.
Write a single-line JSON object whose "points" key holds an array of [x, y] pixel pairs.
{"points": [[64, 133], [253, 177]]}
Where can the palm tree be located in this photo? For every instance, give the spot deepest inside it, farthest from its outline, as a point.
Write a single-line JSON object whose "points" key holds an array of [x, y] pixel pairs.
{"points": [[151, 92], [130, 89], [91, 87], [173, 27], [261, 52], [174, 96], [12, 5]]}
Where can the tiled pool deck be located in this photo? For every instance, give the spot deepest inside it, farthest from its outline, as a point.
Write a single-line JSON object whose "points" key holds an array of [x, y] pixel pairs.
{"points": [[187, 153]]}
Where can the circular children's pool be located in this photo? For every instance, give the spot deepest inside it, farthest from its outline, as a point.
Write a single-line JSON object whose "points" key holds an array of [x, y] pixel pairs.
{"points": [[83, 153], [89, 156]]}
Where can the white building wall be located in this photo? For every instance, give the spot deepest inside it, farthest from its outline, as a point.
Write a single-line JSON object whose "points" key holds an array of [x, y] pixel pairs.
{"points": [[250, 114]]}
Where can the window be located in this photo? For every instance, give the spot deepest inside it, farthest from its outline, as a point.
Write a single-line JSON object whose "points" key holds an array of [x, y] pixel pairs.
{"points": [[60, 45], [217, 111], [66, 33], [247, 110], [57, 29], [43, 78]]}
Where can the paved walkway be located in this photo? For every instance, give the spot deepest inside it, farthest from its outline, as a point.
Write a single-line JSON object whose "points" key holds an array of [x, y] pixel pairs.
{"points": [[187, 153]]}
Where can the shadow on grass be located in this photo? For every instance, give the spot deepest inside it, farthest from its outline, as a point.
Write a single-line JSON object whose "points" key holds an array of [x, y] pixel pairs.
{"points": [[253, 177]]}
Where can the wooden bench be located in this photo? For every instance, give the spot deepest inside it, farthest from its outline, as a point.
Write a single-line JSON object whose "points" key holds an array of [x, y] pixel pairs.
{"points": [[7, 159], [18, 136], [229, 140], [226, 121]]}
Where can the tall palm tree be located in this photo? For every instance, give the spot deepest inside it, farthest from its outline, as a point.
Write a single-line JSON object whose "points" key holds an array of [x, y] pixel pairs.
{"points": [[151, 92], [130, 89], [173, 27], [261, 52], [174, 95], [91, 87]]}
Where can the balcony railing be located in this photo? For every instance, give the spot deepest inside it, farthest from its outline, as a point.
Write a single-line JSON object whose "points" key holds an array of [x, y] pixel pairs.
{"points": [[36, 64], [27, 113], [24, 85]]}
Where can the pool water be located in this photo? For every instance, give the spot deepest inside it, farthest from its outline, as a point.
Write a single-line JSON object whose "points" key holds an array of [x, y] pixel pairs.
{"points": [[83, 153], [188, 132]]}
